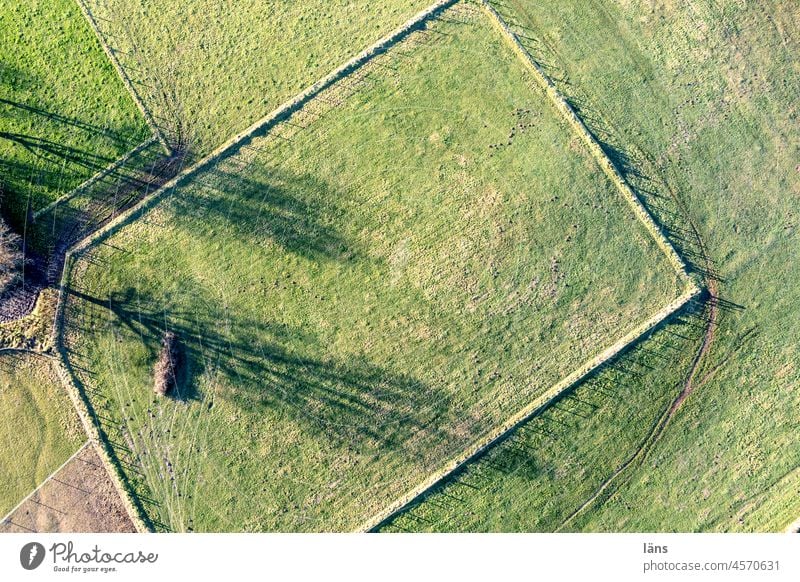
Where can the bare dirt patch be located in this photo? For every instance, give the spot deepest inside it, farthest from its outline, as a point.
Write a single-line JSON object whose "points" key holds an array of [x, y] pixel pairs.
{"points": [[79, 498]]}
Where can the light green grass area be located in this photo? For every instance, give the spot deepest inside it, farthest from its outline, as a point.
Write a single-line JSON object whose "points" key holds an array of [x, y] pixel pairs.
{"points": [[209, 69], [361, 294], [64, 112], [39, 429], [697, 101]]}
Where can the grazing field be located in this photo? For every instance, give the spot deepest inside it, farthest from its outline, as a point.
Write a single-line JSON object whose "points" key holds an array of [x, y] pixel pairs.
{"points": [[64, 112], [39, 429], [533, 480], [79, 498], [208, 70], [698, 102], [359, 294]]}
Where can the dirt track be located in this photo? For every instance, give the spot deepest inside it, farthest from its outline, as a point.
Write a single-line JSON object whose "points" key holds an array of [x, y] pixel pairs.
{"points": [[689, 384]]}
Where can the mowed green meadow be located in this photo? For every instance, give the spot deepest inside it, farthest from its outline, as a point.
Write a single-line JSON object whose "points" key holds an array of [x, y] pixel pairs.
{"points": [[39, 429], [534, 480], [698, 102], [64, 112], [209, 69], [360, 294]]}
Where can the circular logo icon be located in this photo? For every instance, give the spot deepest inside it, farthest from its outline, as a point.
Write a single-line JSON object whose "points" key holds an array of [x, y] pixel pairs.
{"points": [[31, 555]]}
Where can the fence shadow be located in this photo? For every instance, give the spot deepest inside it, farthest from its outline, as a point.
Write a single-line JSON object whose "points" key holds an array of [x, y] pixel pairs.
{"points": [[639, 171], [518, 454]]}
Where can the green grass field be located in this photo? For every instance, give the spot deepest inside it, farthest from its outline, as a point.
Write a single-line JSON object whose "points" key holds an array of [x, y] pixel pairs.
{"points": [[209, 71], [64, 112], [531, 482], [39, 429], [698, 103], [361, 293]]}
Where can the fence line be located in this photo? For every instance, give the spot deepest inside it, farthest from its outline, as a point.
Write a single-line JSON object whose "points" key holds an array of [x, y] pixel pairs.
{"points": [[600, 156], [282, 113], [148, 117], [691, 289], [96, 177], [502, 432], [88, 418], [78, 396], [91, 427]]}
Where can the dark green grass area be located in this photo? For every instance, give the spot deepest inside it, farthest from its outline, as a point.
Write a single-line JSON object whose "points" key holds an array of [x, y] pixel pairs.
{"points": [[39, 429], [209, 69], [64, 112], [360, 294], [698, 103]]}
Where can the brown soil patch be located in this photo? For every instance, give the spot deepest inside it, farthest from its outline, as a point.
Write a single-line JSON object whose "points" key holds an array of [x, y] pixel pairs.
{"points": [[79, 498]]}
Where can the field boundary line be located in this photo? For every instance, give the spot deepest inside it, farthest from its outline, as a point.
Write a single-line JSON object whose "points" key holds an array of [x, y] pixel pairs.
{"points": [[602, 158], [126, 80], [78, 396], [285, 111], [263, 125], [691, 288], [114, 166], [92, 429], [561, 104], [46, 479], [541, 402]]}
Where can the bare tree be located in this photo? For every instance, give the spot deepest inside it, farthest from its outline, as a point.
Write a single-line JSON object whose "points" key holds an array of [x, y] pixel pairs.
{"points": [[11, 257]]}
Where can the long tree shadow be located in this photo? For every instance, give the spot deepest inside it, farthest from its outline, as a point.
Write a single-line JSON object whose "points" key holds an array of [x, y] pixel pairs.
{"points": [[24, 111], [354, 404], [47, 237], [55, 152], [35, 169], [352, 401], [295, 211], [36, 164]]}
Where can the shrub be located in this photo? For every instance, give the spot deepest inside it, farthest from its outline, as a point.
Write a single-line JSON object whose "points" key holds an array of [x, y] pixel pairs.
{"points": [[167, 364], [11, 257]]}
